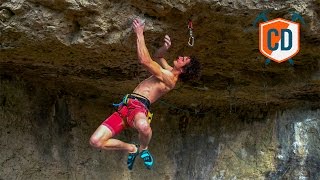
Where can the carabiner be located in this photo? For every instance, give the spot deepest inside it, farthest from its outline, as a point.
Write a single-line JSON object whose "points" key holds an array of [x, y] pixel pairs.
{"points": [[191, 41], [191, 38]]}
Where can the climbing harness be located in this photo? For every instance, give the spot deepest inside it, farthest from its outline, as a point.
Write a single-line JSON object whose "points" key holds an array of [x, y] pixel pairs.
{"points": [[191, 38], [123, 102], [149, 116], [144, 101]]}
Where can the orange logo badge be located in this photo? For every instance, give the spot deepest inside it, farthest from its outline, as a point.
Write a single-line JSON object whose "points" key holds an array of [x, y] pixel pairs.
{"points": [[279, 39]]}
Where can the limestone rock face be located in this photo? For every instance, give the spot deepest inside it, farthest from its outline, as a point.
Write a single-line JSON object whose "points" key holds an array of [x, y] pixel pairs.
{"points": [[63, 62]]}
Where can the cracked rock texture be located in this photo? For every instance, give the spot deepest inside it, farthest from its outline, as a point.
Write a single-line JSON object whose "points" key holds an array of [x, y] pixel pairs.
{"points": [[64, 62]]}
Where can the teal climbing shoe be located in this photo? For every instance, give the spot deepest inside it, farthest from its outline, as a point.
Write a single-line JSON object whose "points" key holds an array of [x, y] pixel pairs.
{"points": [[132, 157], [147, 158]]}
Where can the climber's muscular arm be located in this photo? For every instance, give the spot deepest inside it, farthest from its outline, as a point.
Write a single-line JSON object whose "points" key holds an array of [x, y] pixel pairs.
{"points": [[145, 58], [159, 55]]}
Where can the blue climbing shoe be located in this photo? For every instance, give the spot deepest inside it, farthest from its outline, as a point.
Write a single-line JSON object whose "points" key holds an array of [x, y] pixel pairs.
{"points": [[147, 158], [132, 157]]}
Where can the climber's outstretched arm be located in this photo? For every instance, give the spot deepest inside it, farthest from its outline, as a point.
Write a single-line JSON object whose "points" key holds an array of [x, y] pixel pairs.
{"points": [[159, 55]]}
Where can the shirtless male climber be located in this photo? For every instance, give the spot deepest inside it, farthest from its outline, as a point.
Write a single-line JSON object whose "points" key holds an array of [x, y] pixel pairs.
{"points": [[134, 109]]}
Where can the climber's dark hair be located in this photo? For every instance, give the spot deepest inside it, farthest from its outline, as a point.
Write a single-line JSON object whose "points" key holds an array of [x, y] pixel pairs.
{"points": [[191, 71]]}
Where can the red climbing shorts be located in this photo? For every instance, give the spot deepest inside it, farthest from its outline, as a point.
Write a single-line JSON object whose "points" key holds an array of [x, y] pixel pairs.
{"points": [[125, 115]]}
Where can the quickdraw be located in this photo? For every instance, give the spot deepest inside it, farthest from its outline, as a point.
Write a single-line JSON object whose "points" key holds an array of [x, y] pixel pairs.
{"points": [[191, 38]]}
